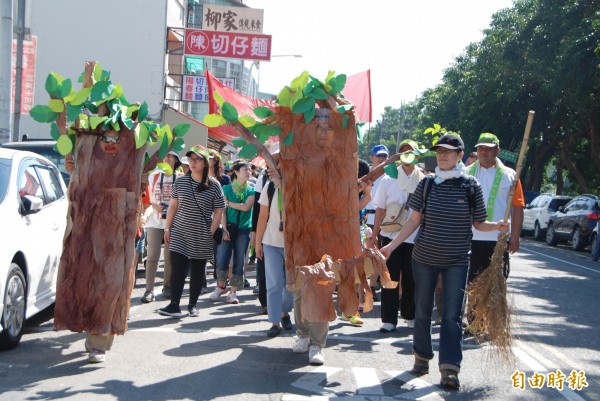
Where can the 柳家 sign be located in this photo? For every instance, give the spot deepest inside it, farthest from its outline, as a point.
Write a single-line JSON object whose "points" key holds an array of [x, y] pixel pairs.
{"points": [[232, 19]]}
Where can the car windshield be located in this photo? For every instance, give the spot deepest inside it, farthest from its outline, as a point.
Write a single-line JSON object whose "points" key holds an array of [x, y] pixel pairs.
{"points": [[4, 177]]}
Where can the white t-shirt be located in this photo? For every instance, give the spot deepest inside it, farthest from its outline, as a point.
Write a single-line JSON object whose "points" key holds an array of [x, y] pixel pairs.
{"points": [[370, 205], [389, 192], [158, 196], [485, 176], [272, 236]]}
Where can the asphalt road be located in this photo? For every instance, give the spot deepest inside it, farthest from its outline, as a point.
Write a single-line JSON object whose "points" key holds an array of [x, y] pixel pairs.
{"points": [[225, 354]]}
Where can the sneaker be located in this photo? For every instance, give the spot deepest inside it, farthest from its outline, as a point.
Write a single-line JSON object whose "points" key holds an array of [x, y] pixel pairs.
{"points": [[264, 310], [96, 356], [216, 294], [387, 328], [193, 311], [315, 357], [246, 283], [286, 323], [354, 319], [232, 298], [147, 297], [166, 292], [450, 379], [274, 331], [255, 290], [171, 310], [410, 324], [301, 344]]}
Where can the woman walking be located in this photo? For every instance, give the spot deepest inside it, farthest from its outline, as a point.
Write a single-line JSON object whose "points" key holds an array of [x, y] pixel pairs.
{"points": [[194, 213], [445, 206], [237, 223]]}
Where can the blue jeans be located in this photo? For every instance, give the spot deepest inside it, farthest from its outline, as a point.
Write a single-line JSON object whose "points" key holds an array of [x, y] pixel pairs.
{"points": [[238, 247], [454, 282], [596, 250], [279, 298]]}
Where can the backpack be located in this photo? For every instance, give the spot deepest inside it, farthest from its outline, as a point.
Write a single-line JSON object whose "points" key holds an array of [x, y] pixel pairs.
{"points": [[465, 182]]}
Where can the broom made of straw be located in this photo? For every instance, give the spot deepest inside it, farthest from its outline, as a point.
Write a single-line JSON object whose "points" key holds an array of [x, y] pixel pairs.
{"points": [[487, 294]]}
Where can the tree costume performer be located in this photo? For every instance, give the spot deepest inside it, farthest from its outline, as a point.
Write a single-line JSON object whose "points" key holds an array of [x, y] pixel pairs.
{"points": [[96, 270]]}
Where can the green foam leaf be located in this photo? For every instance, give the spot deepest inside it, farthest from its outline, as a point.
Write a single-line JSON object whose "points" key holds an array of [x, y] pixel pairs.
{"points": [[238, 142], [43, 114], [64, 145], [214, 120], [229, 112], [248, 151]]}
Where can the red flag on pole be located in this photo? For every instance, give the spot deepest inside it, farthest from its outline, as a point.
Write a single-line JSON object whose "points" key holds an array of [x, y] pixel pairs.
{"points": [[358, 91]]}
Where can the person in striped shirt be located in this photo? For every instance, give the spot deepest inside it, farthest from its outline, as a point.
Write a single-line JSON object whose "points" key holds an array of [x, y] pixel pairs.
{"points": [[445, 206]]}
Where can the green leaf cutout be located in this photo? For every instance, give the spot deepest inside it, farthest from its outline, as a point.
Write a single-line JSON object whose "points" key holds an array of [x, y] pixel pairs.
{"points": [[52, 85], [345, 121], [95, 120], [64, 145], [391, 170], [100, 90], [247, 121], [56, 105], [303, 105], [263, 112], [164, 168], [309, 115], [164, 147], [143, 112], [238, 142], [268, 130], [178, 144], [43, 114], [54, 132], [73, 112], [318, 93], [248, 151], [229, 112], [141, 135], [65, 88], [285, 97], [81, 96], [180, 130], [214, 120], [288, 139]]}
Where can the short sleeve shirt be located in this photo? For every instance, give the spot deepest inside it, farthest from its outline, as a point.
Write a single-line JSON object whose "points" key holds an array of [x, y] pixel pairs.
{"points": [[242, 219], [444, 238], [190, 232]]}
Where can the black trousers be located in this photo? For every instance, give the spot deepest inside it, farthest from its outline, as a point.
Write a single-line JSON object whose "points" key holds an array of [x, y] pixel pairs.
{"points": [[180, 265], [400, 267], [261, 281], [481, 257]]}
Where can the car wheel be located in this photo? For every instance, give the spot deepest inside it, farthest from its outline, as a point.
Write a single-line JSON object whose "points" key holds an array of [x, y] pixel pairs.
{"points": [[593, 242], [15, 303], [577, 242], [538, 232], [551, 236]]}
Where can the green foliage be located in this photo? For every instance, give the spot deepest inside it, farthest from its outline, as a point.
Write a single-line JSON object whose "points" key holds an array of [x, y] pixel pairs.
{"points": [[80, 106]]}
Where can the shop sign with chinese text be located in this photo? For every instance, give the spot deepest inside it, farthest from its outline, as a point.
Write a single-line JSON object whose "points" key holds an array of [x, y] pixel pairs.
{"points": [[232, 19], [227, 45], [195, 88]]}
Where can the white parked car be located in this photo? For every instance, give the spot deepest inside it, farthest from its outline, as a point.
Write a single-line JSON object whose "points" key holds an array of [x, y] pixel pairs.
{"points": [[33, 210], [537, 213]]}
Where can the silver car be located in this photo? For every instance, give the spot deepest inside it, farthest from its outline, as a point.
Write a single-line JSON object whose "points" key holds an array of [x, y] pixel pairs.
{"points": [[33, 210], [537, 214]]}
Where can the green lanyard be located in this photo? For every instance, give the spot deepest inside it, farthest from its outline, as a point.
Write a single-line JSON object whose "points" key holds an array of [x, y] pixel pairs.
{"points": [[491, 201], [279, 201]]}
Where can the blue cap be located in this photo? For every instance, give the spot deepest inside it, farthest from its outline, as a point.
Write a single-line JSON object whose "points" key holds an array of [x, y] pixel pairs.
{"points": [[379, 150]]}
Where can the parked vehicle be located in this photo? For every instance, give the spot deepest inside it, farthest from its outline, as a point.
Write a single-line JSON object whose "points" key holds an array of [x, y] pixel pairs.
{"points": [[33, 210], [574, 222], [537, 213], [594, 238], [43, 148]]}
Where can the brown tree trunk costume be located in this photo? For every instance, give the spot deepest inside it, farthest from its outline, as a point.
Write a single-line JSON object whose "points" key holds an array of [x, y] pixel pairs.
{"points": [[95, 276]]}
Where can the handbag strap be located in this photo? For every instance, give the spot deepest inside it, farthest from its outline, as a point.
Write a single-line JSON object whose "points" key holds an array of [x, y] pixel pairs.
{"points": [[208, 224]]}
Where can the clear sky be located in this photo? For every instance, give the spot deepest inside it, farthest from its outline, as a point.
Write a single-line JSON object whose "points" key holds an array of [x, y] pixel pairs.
{"points": [[406, 44]]}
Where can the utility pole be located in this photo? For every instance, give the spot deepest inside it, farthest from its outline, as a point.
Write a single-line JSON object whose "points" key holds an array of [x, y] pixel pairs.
{"points": [[6, 39], [19, 70]]}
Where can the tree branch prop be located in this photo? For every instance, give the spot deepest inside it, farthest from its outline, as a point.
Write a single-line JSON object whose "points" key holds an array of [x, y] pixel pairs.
{"points": [[488, 293], [298, 100], [99, 107]]}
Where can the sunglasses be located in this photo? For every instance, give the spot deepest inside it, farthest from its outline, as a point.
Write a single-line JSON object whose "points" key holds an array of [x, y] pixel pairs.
{"points": [[110, 139]]}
